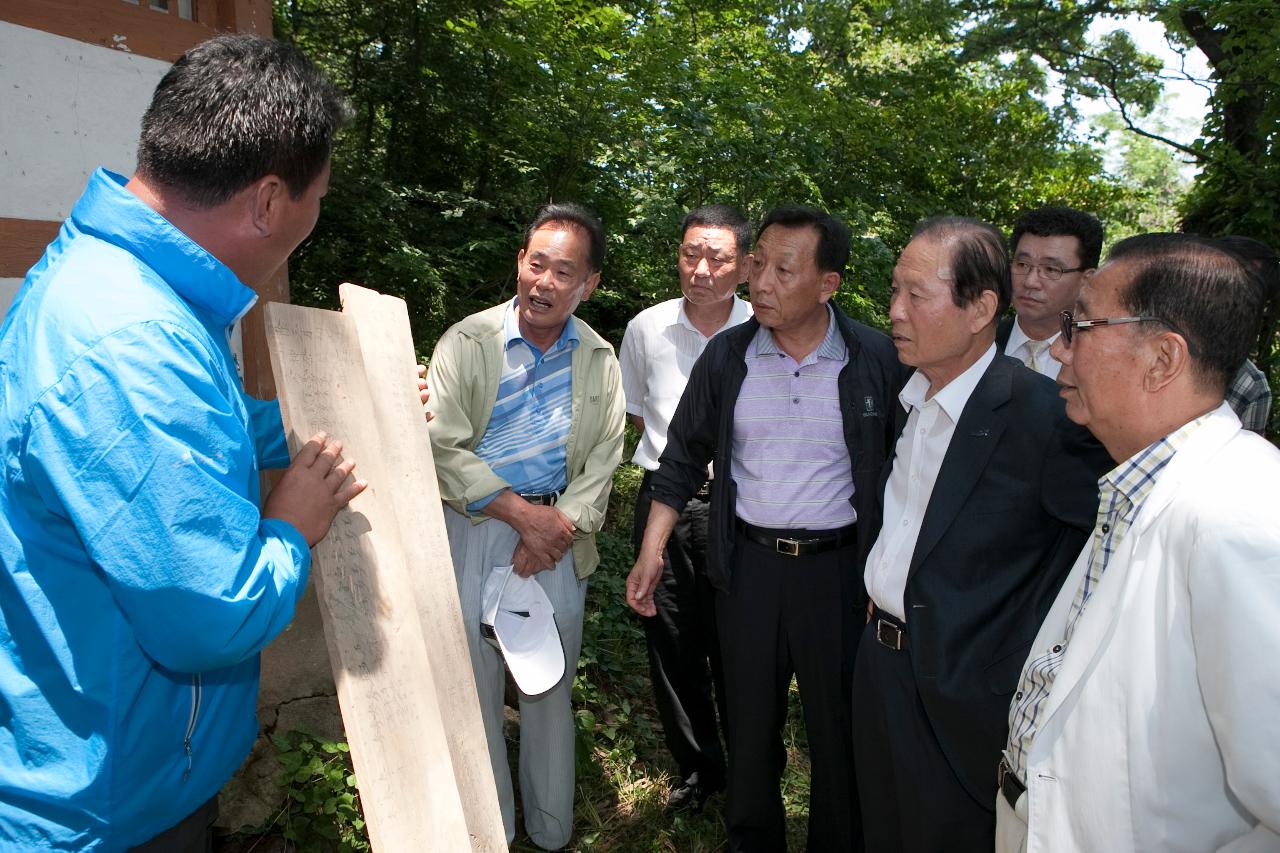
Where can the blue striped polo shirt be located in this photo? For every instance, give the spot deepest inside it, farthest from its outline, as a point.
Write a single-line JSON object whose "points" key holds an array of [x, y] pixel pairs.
{"points": [[526, 440]]}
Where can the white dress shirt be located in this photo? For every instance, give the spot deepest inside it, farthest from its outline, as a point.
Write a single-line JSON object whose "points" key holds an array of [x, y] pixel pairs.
{"points": [[657, 354], [917, 459], [1017, 348]]}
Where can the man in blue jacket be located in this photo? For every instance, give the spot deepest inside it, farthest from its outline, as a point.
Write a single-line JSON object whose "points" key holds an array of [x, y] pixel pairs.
{"points": [[138, 577]]}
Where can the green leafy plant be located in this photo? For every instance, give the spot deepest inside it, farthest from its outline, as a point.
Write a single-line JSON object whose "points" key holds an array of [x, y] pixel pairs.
{"points": [[322, 805]]}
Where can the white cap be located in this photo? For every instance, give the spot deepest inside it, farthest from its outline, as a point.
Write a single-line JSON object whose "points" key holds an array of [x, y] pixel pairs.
{"points": [[524, 622]]}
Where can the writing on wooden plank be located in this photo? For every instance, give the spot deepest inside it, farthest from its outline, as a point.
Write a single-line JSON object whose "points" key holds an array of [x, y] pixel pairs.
{"points": [[393, 719], [386, 346]]}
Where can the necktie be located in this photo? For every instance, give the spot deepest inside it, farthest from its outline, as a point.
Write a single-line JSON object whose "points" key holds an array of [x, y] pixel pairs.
{"points": [[1034, 350]]}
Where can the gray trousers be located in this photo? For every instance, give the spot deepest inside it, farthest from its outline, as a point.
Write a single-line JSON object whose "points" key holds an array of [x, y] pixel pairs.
{"points": [[546, 720]]}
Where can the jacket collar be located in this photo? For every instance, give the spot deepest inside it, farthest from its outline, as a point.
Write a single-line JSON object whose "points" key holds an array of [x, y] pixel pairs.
{"points": [[739, 337], [953, 396], [832, 345], [113, 214], [511, 334], [1098, 622], [1219, 428], [977, 432]]}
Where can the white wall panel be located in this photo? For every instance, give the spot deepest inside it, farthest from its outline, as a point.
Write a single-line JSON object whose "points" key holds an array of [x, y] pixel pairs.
{"points": [[66, 107]]}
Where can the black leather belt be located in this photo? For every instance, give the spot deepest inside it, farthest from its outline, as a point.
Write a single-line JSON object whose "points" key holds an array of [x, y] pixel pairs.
{"points": [[547, 499], [1010, 785], [799, 543], [889, 630]]}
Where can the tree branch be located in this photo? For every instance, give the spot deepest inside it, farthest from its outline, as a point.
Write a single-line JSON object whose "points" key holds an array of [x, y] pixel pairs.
{"points": [[1198, 155], [1111, 84]]}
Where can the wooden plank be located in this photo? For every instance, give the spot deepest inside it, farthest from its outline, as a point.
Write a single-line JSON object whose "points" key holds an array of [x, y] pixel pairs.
{"points": [[386, 344], [367, 599], [22, 242]]}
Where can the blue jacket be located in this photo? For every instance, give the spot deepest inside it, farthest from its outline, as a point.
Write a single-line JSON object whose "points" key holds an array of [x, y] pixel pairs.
{"points": [[138, 581]]}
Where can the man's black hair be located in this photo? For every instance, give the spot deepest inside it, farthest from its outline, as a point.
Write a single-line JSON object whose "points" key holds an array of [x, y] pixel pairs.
{"points": [[1199, 289], [1058, 221], [720, 216], [1260, 257], [575, 216], [833, 235], [234, 109], [978, 258]]}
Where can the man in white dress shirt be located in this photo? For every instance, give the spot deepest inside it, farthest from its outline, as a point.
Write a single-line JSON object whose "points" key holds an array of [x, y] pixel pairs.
{"points": [[658, 351], [990, 496], [1055, 250]]}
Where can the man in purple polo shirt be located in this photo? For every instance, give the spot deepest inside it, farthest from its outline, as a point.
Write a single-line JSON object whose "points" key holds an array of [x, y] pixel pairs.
{"points": [[793, 407]]}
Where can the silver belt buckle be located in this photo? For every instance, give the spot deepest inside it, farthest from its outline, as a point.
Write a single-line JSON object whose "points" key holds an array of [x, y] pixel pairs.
{"points": [[790, 547], [889, 634]]}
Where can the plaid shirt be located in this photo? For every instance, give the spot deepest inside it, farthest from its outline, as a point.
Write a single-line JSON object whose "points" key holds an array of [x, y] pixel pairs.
{"points": [[1121, 494], [1249, 396]]}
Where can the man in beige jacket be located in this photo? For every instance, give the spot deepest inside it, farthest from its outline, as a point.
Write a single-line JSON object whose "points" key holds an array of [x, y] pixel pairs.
{"points": [[527, 430]]}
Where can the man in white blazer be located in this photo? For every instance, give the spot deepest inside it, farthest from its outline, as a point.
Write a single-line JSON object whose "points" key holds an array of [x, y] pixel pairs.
{"points": [[1147, 717]]}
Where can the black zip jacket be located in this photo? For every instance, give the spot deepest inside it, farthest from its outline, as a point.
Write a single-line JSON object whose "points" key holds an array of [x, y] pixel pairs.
{"points": [[701, 431]]}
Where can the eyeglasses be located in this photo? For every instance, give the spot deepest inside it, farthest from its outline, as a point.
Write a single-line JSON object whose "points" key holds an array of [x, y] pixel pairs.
{"points": [[1070, 323], [1047, 271]]}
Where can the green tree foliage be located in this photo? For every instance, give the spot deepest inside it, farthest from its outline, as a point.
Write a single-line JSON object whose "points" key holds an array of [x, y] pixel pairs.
{"points": [[1155, 174], [1237, 189], [471, 114]]}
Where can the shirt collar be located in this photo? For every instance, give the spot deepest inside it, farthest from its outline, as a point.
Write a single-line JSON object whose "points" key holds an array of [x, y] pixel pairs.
{"points": [[1017, 337], [511, 331], [832, 347], [738, 314], [111, 213], [1136, 476], [953, 396]]}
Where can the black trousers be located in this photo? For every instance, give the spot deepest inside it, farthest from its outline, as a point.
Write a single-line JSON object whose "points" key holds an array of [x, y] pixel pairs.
{"points": [[193, 834], [917, 803], [684, 650], [783, 616]]}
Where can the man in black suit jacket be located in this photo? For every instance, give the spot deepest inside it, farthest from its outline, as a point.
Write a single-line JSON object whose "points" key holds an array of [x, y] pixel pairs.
{"points": [[991, 495]]}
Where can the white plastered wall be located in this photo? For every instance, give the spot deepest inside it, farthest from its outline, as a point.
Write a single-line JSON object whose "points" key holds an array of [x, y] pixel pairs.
{"points": [[66, 107]]}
